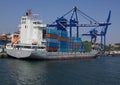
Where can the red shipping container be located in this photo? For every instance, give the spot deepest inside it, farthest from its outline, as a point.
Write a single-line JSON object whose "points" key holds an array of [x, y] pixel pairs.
{"points": [[62, 39], [51, 49], [50, 36]]}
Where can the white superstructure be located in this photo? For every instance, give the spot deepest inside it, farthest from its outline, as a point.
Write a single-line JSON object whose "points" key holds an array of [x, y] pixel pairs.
{"points": [[31, 31]]}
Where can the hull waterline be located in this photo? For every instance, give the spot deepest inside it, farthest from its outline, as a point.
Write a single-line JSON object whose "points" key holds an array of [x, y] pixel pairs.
{"points": [[48, 55]]}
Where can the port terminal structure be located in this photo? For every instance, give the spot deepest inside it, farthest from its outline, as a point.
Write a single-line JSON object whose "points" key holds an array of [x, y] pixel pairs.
{"points": [[73, 22]]}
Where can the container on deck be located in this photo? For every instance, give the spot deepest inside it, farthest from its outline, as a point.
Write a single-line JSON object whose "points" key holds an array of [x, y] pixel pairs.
{"points": [[62, 39], [52, 45], [62, 49], [52, 49], [76, 40], [52, 31], [63, 34], [50, 36], [52, 40]]}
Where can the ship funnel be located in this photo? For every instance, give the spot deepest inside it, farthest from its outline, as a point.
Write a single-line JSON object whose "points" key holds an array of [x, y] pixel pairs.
{"points": [[28, 13]]}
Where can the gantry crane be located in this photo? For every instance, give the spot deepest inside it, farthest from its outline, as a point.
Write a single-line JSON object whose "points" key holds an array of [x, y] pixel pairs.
{"points": [[62, 24], [94, 33]]}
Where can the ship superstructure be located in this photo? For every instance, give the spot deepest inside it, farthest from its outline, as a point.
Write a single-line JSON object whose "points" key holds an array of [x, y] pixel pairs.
{"points": [[31, 31]]}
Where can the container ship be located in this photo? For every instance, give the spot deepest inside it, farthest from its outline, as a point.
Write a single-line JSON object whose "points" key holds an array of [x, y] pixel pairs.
{"points": [[35, 40]]}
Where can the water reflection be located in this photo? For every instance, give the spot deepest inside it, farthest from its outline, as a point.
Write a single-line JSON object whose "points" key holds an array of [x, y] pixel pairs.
{"points": [[100, 71], [26, 72]]}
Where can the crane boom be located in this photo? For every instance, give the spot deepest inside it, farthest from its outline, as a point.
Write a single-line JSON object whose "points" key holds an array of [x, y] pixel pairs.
{"points": [[81, 25]]}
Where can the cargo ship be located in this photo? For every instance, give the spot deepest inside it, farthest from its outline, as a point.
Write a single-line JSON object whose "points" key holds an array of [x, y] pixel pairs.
{"points": [[35, 40]]}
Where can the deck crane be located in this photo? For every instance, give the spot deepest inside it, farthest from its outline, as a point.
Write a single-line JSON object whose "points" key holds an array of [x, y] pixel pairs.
{"points": [[94, 33], [62, 23]]}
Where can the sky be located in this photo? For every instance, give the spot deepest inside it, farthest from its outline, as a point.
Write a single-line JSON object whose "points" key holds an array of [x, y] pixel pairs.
{"points": [[49, 10]]}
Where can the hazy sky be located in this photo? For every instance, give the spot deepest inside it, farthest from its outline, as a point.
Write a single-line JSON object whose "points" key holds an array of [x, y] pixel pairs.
{"points": [[48, 10]]}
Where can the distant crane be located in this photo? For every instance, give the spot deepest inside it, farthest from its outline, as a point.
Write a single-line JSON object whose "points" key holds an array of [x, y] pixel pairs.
{"points": [[94, 33]]}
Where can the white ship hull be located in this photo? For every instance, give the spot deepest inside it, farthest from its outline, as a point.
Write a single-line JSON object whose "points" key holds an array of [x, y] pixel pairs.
{"points": [[34, 54]]}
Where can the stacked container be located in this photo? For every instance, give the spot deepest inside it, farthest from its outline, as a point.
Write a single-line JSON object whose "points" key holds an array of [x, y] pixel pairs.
{"points": [[70, 44], [50, 33], [57, 40], [62, 41], [51, 36], [77, 43], [74, 44]]}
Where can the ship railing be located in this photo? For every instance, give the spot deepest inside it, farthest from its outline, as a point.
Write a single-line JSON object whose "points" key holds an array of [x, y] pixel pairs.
{"points": [[64, 53], [25, 46], [39, 25]]}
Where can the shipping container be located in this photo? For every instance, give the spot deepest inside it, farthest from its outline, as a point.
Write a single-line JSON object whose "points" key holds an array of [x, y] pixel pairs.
{"points": [[52, 31], [50, 36], [62, 44], [76, 45], [52, 45], [77, 39], [63, 34], [70, 45], [52, 49], [62, 39], [52, 40], [62, 49]]}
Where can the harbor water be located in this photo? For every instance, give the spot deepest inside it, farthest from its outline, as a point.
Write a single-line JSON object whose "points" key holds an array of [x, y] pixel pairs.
{"points": [[99, 71]]}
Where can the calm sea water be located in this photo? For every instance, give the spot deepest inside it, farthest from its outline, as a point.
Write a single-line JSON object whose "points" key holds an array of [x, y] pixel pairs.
{"points": [[99, 71]]}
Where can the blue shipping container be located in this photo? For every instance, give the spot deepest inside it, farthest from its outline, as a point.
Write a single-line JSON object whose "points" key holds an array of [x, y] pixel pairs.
{"points": [[52, 44], [52, 31], [62, 44], [77, 40], [51, 40], [63, 34], [62, 49]]}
